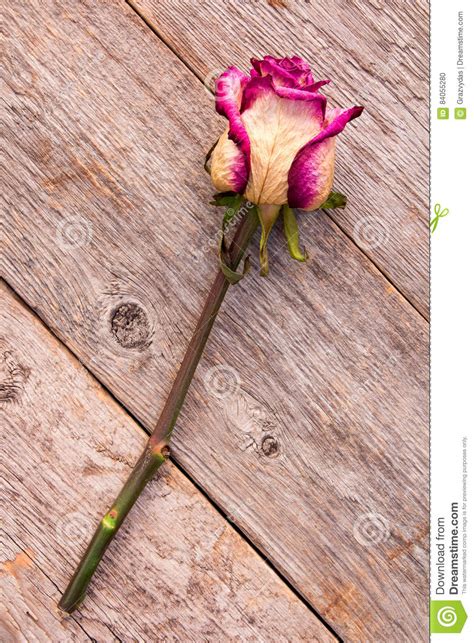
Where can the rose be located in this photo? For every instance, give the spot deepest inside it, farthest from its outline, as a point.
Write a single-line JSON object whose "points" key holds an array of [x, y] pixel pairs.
{"points": [[280, 144], [279, 147], [278, 151]]}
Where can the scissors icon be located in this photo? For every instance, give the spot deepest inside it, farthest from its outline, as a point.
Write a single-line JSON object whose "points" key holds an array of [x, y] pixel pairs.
{"points": [[438, 215]]}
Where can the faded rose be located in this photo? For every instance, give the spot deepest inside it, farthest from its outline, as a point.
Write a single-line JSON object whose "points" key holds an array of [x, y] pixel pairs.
{"points": [[279, 147]]}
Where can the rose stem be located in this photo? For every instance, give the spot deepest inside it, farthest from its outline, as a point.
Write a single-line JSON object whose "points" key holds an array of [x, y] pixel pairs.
{"points": [[156, 449]]}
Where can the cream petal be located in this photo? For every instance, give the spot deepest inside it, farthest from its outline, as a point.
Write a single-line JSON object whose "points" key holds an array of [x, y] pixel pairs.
{"points": [[277, 127], [228, 170]]}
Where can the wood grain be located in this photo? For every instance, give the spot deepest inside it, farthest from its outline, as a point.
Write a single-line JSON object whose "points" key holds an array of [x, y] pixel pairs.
{"points": [[376, 53], [307, 421], [178, 571]]}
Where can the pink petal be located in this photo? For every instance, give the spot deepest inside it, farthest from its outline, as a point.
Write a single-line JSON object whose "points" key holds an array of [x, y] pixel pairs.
{"points": [[260, 85], [229, 90], [311, 173], [317, 86], [289, 72]]}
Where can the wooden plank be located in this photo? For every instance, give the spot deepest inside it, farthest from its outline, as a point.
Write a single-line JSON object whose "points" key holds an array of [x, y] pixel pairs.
{"points": [[377, 55], [321, 427], [178, 571]]}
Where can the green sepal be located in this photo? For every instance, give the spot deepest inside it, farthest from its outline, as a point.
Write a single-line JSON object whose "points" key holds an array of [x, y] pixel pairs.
{"points": [[267, 215], [334, 200], [208, 156], [290, 226], [232, 208], [231, 201], [232, 276], [226, 199]]}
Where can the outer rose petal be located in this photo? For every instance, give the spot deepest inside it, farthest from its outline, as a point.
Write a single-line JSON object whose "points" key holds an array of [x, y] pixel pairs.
{"points": [[229, 90], [228, 169], [312, 171], [279, 121], [314, 87], [289, 72]]}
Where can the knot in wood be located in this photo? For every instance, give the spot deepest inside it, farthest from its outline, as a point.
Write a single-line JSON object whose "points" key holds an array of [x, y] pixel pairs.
{"points": [[13, 377], [270, 446], [130, 327]]}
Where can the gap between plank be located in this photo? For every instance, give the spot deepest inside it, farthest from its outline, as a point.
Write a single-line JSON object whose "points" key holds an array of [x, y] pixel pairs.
{"points": [[154, 29], [266, 560], [379, 269]]}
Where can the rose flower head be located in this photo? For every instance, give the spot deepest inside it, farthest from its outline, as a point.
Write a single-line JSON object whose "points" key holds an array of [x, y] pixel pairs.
{"points": [[279, 146]]}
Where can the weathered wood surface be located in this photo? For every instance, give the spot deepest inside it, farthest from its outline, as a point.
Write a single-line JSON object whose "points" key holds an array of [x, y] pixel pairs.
{"points": [[178, 571], [307, 422], [377, 55]]}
